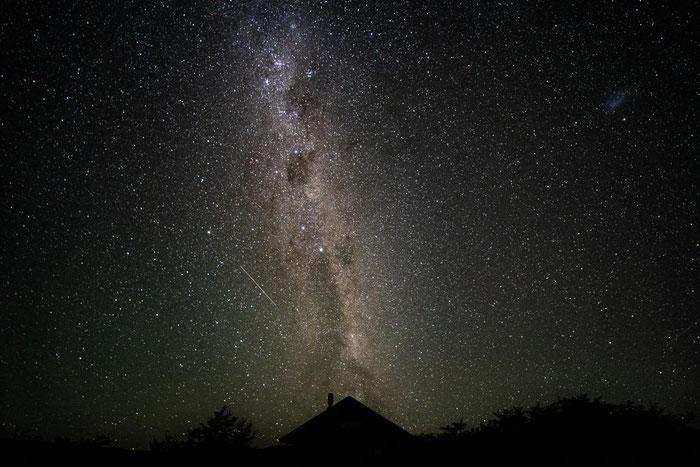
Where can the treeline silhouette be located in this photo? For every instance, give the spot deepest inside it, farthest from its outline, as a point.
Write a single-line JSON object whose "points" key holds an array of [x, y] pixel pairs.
{"points": [[577, 431]]}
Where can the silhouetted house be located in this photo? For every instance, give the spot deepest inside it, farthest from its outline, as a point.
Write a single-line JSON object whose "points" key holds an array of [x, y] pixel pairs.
{"points": [[350, 427]]}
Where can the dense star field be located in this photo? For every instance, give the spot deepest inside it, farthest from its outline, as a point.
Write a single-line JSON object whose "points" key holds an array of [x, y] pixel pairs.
{"points": [[439, 208]]}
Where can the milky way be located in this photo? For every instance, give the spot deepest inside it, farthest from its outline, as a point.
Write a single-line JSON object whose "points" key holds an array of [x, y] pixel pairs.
{"points": [[321, 250]]}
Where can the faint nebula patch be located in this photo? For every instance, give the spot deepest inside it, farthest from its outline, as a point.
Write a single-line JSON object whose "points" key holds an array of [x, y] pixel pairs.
{"points": [[616, 99]]}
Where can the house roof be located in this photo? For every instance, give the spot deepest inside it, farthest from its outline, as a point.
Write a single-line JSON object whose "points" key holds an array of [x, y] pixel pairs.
{"points": [[347, 422]]}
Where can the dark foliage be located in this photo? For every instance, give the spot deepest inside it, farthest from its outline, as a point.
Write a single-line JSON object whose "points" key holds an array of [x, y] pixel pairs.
{"points": [[222, 432], [454, 428], [572, 431], [577, 431]]}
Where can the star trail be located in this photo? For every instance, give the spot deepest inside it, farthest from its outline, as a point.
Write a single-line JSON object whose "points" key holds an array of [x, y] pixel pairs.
{"points": [[439, 208]]}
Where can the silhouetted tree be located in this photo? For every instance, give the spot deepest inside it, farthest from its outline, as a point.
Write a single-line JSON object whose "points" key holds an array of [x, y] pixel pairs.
{"points": [[222, 431], [454, 428], [509, 419]]}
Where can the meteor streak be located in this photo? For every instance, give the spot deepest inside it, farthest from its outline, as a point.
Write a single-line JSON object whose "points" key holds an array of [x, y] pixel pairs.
{"points": [[686, 329], [261, 289]]}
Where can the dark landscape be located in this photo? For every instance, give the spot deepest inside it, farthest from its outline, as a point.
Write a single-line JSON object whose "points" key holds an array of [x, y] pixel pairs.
{"points": [[575, 431]]}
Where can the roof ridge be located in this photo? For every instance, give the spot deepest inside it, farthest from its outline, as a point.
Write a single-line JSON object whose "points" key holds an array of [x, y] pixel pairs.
{"points": [[334, 419]]}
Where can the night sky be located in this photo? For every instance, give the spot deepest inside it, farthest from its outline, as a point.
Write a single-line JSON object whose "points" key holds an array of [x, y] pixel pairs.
{"points": [[441, 209]]}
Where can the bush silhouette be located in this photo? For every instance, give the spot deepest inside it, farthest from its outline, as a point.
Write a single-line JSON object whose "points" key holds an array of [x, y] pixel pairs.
{"points": [[573, 431], [223, 431], [454, 428]]}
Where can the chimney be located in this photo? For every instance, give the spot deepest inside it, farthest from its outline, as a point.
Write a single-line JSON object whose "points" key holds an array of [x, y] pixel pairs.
{"points": [[330, 400]]}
